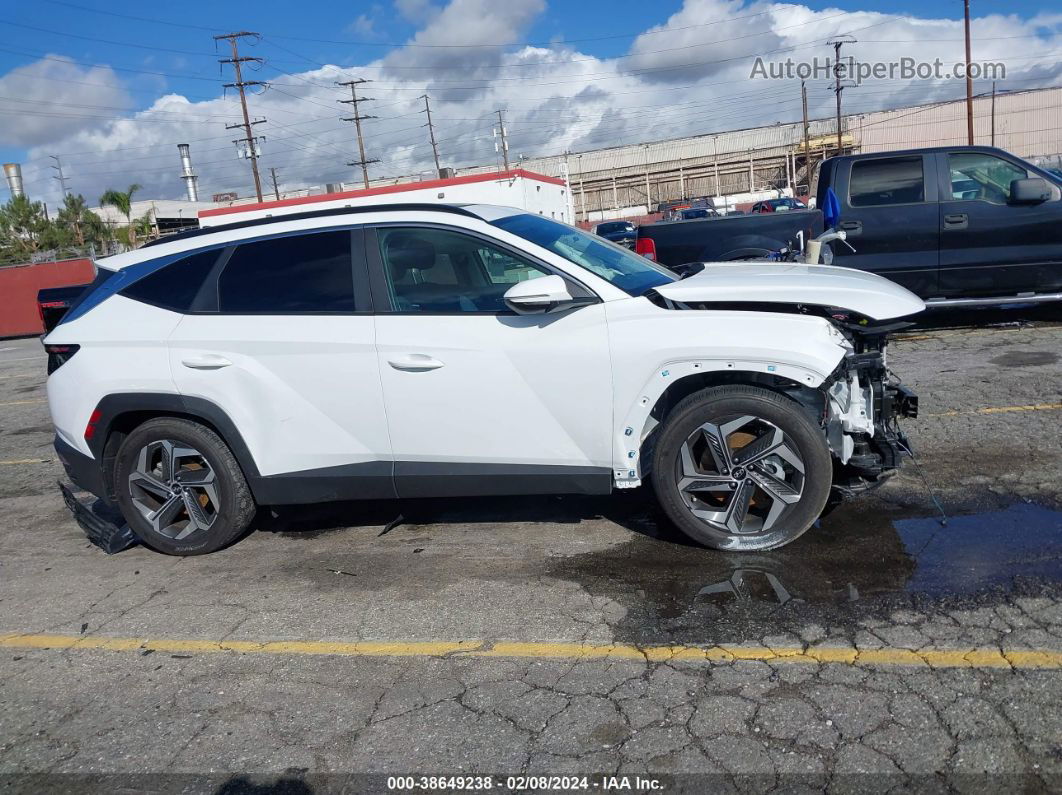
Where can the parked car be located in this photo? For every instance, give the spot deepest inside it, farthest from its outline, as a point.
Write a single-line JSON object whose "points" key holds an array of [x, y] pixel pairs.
{"points": [[421, 351], [956, 225], [622, 232], [53, 303], [778, 205]]}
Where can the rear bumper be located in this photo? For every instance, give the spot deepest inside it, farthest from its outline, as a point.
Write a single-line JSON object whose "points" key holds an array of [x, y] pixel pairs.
{"points": [[82, 470]]}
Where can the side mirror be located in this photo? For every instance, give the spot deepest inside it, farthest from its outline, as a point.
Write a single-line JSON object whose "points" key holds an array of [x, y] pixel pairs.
{"points": [[544, 294], [1029, 191]]}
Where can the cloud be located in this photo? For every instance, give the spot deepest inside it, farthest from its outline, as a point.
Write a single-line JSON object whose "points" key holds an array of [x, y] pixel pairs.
{"points": [[687, 75], [49, 99], [417, 11]]}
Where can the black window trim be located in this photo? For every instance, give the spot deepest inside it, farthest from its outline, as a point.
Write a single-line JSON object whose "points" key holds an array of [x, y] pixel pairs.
{"points": [[207, 300], [929, 183], [381, 294]]}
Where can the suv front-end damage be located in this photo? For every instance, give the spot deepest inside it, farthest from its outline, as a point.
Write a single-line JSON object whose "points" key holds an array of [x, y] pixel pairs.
{"points": [[863, 403]]}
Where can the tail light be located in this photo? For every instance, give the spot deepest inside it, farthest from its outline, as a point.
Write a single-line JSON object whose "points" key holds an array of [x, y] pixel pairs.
{"points": [[646, 247], [58, 355], [94, 419]]}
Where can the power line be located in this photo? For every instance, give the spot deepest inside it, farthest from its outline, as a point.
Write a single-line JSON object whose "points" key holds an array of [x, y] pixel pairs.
{"points": [[59, 175], [354, 102], [251, 141]]}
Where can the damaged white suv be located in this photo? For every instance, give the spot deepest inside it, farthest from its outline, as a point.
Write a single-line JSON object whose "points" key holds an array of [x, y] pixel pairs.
{"points": [[412, 351]]}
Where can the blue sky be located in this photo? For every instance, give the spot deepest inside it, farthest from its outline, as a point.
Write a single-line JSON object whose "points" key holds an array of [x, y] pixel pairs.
{"points": [[70, 75]]}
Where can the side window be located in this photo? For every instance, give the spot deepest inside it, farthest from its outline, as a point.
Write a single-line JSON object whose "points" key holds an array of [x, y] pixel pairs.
{"points": [[301, 274], [435, 270], [980, 176], [174, 286], [887, 180]]}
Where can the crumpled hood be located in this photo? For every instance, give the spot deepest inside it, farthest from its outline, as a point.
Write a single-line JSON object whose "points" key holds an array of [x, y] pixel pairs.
{"points": [[791, 283]]}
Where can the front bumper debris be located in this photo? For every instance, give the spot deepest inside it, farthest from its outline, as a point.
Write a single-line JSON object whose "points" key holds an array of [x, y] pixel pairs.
{"points": [[105, 528]]}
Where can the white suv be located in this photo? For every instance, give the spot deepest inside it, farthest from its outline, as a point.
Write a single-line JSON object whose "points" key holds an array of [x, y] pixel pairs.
{"points": [[406, 351]]}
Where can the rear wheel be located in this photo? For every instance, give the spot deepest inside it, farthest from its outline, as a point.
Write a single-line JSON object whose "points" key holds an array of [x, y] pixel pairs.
{"points": [[741, 468], [180, 488]]}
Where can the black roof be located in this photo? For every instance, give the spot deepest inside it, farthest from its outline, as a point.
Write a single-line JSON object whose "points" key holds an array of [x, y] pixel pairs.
{"points": [[272, 219]]}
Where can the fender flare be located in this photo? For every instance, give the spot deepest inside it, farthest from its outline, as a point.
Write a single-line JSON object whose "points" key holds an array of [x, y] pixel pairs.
{"points": [[638, 422]]}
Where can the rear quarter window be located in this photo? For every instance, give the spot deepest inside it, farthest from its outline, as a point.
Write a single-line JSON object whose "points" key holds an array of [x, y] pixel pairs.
{"points": [[176, 285]]}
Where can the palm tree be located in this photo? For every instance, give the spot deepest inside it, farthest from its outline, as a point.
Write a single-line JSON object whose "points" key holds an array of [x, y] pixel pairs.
{"points": [[123, 202]]}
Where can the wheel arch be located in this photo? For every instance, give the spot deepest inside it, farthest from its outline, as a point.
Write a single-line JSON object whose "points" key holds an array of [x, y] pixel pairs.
{"points": [[122, 413], [675, 382]]}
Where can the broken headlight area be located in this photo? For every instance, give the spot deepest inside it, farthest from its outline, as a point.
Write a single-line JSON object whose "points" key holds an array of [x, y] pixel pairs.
{"points": [[864, 402]]}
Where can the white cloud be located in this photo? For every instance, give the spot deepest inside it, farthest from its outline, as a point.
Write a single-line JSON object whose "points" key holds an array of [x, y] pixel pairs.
{"points": [[684, 76], [48, 99]]}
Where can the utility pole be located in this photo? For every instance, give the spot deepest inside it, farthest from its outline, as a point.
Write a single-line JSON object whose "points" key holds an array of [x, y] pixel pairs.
{"points": [[648, 200], [250, 140], [969, 80], [276, 190], [504, 140], [993, 113], [807, 153], [62, 180], [357, 119], [431, 135], [838, 88]]}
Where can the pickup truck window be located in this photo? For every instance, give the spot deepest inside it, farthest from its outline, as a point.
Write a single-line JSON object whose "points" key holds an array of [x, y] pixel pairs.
{"points": [[626, 270], [887, 180], [975, 175]]}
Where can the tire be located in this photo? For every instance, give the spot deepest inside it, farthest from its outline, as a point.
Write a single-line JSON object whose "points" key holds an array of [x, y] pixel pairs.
{"points": [[763, 491], [180, 488]]}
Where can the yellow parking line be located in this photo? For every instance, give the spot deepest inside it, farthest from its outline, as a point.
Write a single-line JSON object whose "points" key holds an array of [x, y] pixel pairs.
{"points": [[999, 410], [24, 402], [934, 658]]}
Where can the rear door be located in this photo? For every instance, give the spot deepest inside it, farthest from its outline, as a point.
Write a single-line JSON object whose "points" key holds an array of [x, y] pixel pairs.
{"points": [[988, 246], [889, 212], [282, 340]]}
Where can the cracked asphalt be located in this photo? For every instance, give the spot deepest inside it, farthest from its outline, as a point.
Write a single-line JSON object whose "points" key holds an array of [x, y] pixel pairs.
{"points": [[563, 636]]}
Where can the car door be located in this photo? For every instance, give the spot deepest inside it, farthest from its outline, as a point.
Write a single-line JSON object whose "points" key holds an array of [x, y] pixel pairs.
{"points": [[989, 247], [889, 213], [481, 400], [282, 340]]}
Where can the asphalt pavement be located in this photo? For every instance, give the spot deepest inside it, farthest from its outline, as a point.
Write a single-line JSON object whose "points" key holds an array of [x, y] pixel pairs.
{"points": [[563, 636]]}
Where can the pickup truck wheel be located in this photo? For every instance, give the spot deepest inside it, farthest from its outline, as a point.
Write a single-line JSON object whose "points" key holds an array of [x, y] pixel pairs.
{"points": [[741, 468], [180, 488]]}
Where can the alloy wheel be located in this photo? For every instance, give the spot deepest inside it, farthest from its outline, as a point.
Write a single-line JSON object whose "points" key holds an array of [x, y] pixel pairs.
{"points": [[739, 475], [174, 488]]}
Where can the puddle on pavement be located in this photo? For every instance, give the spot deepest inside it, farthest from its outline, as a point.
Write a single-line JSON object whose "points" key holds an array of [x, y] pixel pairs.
{"points": [[854, 554]]}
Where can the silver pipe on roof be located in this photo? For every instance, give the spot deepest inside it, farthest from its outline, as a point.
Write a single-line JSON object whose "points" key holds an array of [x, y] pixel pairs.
{"points": [[13, 172], [188, 174]]}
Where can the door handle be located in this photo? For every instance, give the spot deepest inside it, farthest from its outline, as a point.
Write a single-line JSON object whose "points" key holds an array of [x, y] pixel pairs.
{"points": [[206, 361], [415, 362], [855, 227], [956, 221]]}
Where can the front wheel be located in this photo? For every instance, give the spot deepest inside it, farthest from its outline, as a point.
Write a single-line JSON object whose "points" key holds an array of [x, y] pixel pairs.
{"points": [[741, 468]]}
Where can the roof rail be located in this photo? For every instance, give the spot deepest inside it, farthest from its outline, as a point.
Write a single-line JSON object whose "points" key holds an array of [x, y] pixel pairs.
{"points": [[272, 219]]}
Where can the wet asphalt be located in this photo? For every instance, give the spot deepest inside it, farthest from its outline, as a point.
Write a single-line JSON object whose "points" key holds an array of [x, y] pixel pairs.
{"points": [[963, 551]]}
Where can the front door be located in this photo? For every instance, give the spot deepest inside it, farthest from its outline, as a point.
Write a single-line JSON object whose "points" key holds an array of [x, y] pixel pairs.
{"points": [[989, 247], [481, 400]]}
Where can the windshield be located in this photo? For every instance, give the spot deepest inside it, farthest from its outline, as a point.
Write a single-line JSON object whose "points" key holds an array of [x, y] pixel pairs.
{"points": [[621, 267]]}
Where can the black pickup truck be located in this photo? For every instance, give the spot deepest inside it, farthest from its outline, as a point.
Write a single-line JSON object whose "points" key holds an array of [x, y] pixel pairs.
{"points": [[961, 225]]}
